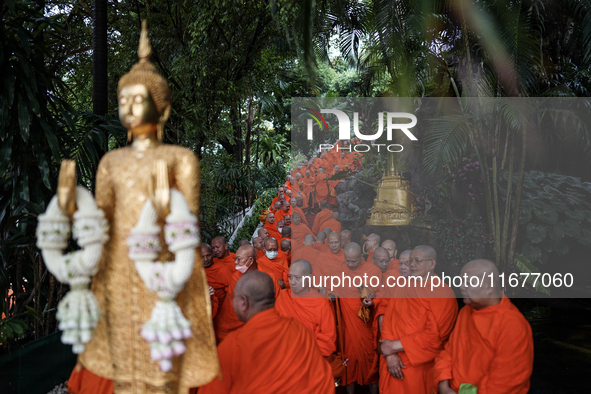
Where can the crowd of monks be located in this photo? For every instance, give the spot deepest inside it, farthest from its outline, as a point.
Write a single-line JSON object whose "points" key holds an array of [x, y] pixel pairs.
{"points": [[280, 333]]}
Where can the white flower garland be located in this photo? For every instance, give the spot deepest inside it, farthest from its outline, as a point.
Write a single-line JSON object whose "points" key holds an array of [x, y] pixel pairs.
{"points": [[78, 312], [167, 327]]}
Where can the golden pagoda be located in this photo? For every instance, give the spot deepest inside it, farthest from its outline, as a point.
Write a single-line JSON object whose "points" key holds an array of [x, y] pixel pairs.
{"points": [[394, 204]]}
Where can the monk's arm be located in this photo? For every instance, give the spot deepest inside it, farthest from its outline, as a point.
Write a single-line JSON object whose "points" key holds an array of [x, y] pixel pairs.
{"points": [[442, 369], [512, 365], [326, 331], [422, 346]]}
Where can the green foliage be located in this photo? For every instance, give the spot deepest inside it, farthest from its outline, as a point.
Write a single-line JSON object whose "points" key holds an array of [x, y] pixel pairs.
{"points": [[11, 328], [556, 210], [523, 265], [461, 240], [251, 222]]}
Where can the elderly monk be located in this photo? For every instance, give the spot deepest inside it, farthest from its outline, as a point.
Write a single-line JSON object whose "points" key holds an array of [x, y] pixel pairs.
{"points": [[415, 328], [491, 346], [321, 245], [345, 238], [321, 186], [342, 161], [392, 266], [309, 307], [272, 262], [404, 264], [226, 320], [306, 251], [321, 217], [333, 223], [330, 262], [270, 353], [271, 226], [371, 244], [288, 195], [390, 246], [287, 219], [299, 231], [296, 185], [257, 242], [285, 210], [262, 233], [218, 275], [360, 341], [276, 207], [221, 254]]}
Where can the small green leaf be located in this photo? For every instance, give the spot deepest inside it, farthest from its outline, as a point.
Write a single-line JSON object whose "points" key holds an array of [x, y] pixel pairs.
{"points": [[524, 265], [548, 216]]}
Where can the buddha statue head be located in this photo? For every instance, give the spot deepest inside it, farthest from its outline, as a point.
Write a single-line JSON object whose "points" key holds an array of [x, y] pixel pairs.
{"points": [[143, 95]]}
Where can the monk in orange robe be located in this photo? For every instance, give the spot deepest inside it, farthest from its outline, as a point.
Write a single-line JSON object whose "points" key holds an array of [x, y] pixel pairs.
{"points": [[270, 353], [280, 191], [273, 263], [285, 210], [271, 226], [298, 210], [360, 341], [371, 244], [299, 231], [285, 248], [345, 238], [491, 346], [321, 217], [309, 182], [218, 275], [321, 186], [306, 251], [415, 328], [342, 161], [309, 307], [330, 262], [221, 254], [333, 223], [332, 192], [226, 319], [297, 184], [288, 181], [321, 245]]}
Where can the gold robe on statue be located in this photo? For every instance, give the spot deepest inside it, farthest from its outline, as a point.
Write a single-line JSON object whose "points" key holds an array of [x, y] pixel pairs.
{"points": [[117, 351]]}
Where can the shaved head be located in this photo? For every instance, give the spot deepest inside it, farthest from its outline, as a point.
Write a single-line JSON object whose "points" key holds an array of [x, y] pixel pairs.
{"points": [[428, 251], [372, 242], [336, 216], [286, 245], [257, 242], [271, 217], [207, 255], [334, 242], [286, 232], [403, 263], [381, 258], [390, 246], [254, 293], [306, 266], [422, 261], [323, 204], [243, 242], [270, 242], [219, 247], [352, 255], [327, 230], [263, 233], [309, 239], [321, 237], [486, 293]]}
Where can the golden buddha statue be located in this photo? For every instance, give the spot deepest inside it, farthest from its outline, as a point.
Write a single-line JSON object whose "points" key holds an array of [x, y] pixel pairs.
{"points": [[394, 204], [126, 178]]}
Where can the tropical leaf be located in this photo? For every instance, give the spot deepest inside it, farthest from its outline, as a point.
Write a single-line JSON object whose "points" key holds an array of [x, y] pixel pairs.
{"points": [[536, 233], [524, 265]]}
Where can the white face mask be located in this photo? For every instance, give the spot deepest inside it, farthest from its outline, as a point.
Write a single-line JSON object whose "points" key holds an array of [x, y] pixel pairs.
{"points": [[271, 255], [280, 229], [242, 268]]}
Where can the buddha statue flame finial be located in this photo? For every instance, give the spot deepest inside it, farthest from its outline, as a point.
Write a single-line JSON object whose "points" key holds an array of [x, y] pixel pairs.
{"points": [[145, 49]]}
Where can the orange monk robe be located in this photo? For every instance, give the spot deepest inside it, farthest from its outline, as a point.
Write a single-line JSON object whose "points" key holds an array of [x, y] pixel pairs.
{"points": [[227, 261], [321, 187], [320, 218], [306, 252], [315, 312], [289, 185], [333, 224], [285, 256], [321, 247], [370, 255], [218, 277], [422, 325], [318, 163], [298, 234], [271, 354], [332, 186], [299, 211], [360, 341], [491, 348], [86, 382], [215, 306], [280, 215], [272, 207], [272, 229], [278, 267], [329, 263], [260, 253], [343, 163], [226, 320], [307, 189]]}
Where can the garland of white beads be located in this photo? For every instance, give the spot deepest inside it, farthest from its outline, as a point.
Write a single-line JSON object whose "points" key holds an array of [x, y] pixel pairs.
{"points": [[78, 312], [167, 328]]}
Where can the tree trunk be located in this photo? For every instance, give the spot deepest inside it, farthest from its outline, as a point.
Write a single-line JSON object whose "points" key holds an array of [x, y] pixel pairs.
{"points": [[99, 53]]}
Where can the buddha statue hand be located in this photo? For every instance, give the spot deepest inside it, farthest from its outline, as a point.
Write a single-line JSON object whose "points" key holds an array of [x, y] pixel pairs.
{"points": [[159, 188], [66, 187], [167, 327], [78, 313]]}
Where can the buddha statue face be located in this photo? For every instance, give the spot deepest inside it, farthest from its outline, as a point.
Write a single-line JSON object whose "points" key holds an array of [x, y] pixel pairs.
{"points": [[137, 110]]}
